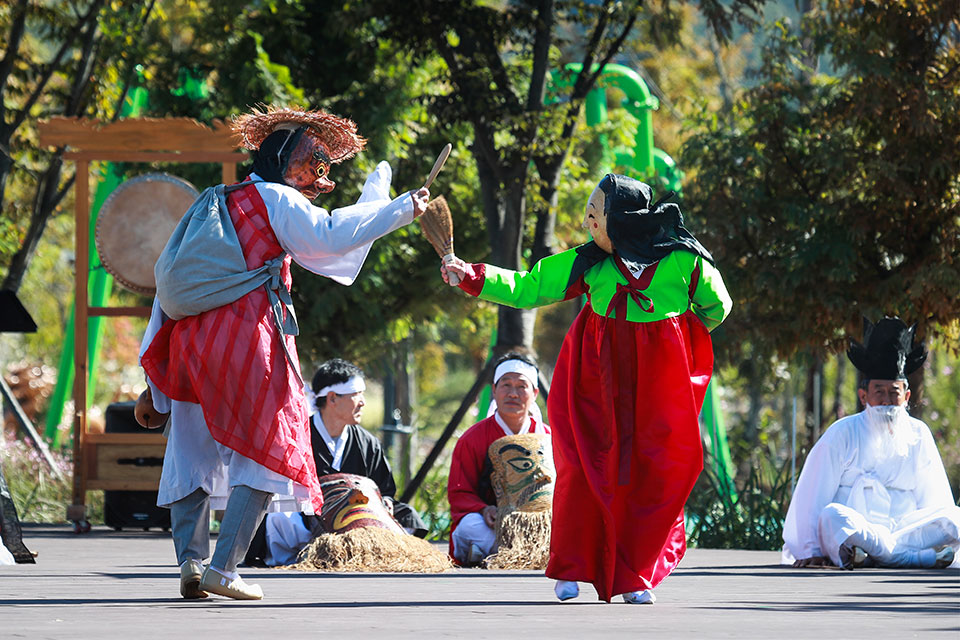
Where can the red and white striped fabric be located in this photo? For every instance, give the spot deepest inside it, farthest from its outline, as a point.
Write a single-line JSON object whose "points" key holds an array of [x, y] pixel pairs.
{"points": [[230, 361]]}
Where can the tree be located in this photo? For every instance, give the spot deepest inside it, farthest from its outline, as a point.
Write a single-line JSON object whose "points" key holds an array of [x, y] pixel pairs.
{"points": [[834, 195], [497, 65], [52, 62]]}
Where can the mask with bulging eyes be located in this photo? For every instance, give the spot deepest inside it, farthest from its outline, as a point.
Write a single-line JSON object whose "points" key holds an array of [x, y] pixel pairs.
{"points": [[308, 167], [351, 502], [523, 473]]}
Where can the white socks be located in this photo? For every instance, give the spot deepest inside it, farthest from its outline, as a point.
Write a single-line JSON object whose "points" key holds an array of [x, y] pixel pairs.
{"points": [[229, 575]]}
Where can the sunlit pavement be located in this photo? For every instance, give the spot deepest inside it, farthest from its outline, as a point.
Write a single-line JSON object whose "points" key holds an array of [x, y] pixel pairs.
{"points": [[108, 584]]}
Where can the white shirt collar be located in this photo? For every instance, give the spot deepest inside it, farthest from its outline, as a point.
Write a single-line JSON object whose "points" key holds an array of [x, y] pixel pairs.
{"points": [[337, 446], [528, 425]]}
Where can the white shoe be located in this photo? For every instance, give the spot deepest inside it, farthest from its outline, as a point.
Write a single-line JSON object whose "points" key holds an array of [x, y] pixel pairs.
{"points": [[190, 573], [215, 582], [640, 597], [566, 590], [852, 557]]}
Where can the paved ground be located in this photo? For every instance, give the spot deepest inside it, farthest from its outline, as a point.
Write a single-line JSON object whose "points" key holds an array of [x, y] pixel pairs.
{"points": [[108, 585]]}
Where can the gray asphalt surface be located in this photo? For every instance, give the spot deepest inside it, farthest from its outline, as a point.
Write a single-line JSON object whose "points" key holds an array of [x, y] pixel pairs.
{"points": [[108, 585]]}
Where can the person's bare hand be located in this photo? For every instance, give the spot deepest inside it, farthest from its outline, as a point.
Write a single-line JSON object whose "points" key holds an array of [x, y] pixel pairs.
{"points": [[420, 199], [457, 267], [815, 562], [146, 415], [490, 515]]}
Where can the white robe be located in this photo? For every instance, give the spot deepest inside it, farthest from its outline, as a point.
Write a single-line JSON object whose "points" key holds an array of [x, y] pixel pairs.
{"points": [[900, 492], [286, 533], [329, 244]]}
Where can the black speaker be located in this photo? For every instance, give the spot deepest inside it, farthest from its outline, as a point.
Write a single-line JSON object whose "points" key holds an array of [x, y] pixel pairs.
{"points": [[131, 509]]}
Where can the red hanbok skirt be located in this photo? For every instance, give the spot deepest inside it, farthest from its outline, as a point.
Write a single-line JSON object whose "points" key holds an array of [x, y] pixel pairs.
{"points": [[624, 408]]}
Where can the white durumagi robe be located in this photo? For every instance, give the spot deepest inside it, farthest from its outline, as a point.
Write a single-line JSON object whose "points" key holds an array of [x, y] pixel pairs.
{"points": [[903, 491], [334, 245]]}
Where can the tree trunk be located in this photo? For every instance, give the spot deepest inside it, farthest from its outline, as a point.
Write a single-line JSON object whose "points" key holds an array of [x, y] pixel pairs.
{"points": [[504, 206], [406, 400]]}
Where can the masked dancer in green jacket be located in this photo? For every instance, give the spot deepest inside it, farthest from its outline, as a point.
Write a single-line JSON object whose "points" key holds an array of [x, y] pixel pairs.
{"points": [[627, 387]]}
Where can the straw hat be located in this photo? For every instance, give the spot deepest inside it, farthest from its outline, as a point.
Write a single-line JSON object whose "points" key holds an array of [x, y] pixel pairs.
{"points": [[338, 135]]}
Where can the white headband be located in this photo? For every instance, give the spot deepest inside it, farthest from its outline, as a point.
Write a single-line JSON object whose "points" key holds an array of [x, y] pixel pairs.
{"points": [[353, 385], [525, 369]]}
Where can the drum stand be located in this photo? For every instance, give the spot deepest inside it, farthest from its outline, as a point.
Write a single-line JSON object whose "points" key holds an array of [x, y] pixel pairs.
{"points": [[179, 140]]}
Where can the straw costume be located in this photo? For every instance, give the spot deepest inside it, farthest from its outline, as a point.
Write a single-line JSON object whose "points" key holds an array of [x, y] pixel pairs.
{"points": [[356, 532], [228, 362], [627, 388], [522, 479], [340, 446], [470, 485]]}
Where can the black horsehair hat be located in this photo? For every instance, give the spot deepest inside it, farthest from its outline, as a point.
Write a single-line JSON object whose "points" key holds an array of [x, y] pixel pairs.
{"points": [[888, 351]]}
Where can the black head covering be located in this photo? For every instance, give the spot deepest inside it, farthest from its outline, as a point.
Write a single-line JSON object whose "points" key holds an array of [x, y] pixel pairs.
{"points": [[641, 234], [890, 353], [270, 160]]}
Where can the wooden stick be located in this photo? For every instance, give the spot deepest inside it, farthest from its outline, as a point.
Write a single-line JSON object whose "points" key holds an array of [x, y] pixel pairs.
{"points": [[442, 158]]}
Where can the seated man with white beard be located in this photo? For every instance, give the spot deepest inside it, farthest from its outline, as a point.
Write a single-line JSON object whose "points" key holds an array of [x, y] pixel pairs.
{"points": [[873, 491]]}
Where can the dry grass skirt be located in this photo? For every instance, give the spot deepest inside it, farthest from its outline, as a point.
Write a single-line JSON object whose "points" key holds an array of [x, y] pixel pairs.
{"points": [[372, 549], [523, 541]]}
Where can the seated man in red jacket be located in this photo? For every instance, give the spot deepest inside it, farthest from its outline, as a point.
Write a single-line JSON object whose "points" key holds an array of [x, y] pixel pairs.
{"points": [[473, 506]]}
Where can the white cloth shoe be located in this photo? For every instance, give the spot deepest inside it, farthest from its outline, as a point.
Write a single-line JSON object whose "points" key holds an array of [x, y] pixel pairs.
{"points": [[566, 590], [640, 597], [215, 582], [190, 573]]}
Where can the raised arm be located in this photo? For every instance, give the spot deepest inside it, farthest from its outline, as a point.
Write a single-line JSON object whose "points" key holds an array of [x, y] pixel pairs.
{"points": [[545, 283], [336, 244]]}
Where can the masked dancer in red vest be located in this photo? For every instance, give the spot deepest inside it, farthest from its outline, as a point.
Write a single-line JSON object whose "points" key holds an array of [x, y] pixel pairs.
{"points": [[627, 389], [229, 376]]}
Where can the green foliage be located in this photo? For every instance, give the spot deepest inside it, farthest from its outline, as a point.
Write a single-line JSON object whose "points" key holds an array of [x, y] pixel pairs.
{"points": [[431, 502], [751, 520], [939, 406], [36, 493], [839, 191]]}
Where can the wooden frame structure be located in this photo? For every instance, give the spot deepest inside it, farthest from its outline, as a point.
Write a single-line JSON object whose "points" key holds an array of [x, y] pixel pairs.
{"points": [[146, 140]]}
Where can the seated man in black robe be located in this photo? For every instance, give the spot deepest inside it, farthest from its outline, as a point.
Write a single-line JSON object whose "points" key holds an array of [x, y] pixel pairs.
{"points": [[340, 445]]}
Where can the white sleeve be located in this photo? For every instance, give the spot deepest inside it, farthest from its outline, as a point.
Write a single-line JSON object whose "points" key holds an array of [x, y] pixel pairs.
{"points": [[335, 244], [157, 317], [816, 488], [932, 488]]}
